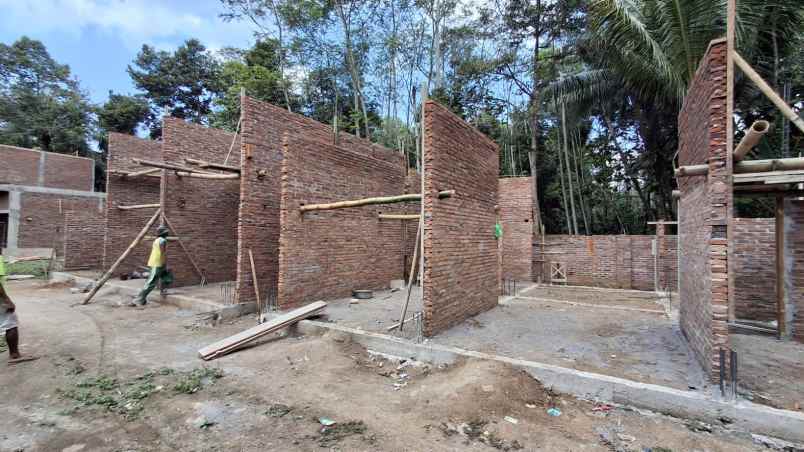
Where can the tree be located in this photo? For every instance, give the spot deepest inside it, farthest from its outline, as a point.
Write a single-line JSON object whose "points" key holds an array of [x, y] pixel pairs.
{"points": [[184, 82], [41, 104]]}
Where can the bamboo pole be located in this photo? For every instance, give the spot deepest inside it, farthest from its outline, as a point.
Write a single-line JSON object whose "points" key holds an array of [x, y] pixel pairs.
{"points": [[780, 269], [203, 164], [390, 216], [256, 285], [237, 128], [768, 91], [170, 166], [752, 136], [187, 252], [122, 257], [372, 201], [208, 175], [747, 166], [144, 172], [412, 275], [731, 40], [139, 206]]}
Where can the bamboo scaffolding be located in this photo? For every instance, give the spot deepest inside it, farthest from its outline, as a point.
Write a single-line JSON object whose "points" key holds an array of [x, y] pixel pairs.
{"points": [[748, 166], [203, 164], [752, 136], [768, 91], [372, 201], [186, 251], [139, 206]]}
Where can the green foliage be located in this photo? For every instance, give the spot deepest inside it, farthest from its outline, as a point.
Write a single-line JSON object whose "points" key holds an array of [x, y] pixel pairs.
{"points": [[41, 105], [191, 382], [36, 268], [184, 82]]}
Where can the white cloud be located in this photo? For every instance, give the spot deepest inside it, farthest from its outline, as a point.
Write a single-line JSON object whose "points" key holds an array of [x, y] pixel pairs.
{"points": [[134, 22]]}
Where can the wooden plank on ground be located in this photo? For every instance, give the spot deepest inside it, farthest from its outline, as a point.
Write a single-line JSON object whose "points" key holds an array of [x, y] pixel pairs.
{"points": [[232, 343]]}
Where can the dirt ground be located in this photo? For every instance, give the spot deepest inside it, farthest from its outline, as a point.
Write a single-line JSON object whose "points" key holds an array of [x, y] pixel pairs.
{"points": [[112, 378], [770, 372]]}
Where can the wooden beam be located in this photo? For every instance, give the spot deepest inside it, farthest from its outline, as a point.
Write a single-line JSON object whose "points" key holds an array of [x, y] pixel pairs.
{"points": [[187, 252], [371, 201], [780, 269], [122, 257], [389, 216], [232, 343], [170, 166], [752, 136], [768, 91], [209, 165], [138, 206]]}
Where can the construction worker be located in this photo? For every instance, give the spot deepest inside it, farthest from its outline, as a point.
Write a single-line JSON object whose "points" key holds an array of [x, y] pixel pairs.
{"points": [[158, 264], [8, 321]]}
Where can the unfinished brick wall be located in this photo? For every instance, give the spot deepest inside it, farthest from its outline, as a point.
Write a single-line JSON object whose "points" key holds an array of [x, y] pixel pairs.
{"points": [[614, 261], [705, 211], [461, 276], [794, 268], [122, 226], [45, 169], [263, 127], [755, 268], [327, 254], [42, 218], [204, 212], [515, 201], [84, 232]]}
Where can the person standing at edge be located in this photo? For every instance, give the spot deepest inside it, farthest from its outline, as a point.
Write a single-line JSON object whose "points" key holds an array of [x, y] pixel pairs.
{"points": [[8, 321], [157, 262]]}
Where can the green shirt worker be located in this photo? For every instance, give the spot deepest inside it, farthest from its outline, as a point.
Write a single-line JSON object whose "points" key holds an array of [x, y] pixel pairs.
{"points": [[157, 262]]}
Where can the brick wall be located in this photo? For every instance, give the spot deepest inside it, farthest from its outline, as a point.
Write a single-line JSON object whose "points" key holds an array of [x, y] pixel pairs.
{"points": [[755, 268], [203, 211], [263, 127], [794, 267], [83, 239], [42, 218], [122, 226], [461, 276], [615, 261], [45, 169], [327, 254], [705, 211], [515, 201]]}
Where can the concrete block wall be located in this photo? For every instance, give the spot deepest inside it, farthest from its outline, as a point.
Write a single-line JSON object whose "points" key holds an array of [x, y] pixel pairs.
{"points": [[517, 219], [122, 226], [203, 211], [461, 276], [327, 254], [705, 208], [794, 268], [755, 268], [35, 168], [84, 232], [263, 127]]}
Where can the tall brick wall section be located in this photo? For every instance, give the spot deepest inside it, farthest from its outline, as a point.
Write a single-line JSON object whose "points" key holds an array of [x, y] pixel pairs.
{"points": [[515, 201], [203, 211], [461, 276], [42, 218], [327, 254], [705, 211], [45, 169], [614, 261], [755, 268], [794, 267], [122, 226], [263, 127], [84, 232]]}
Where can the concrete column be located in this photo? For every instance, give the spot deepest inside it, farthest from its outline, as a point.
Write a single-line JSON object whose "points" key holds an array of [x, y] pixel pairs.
{"points": [[14, 213]]}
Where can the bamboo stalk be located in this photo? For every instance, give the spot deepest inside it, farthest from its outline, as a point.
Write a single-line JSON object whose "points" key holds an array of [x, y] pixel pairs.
{"points": [[256, 285], [203, 164], [413, 263], [752, 136], [768, 91], [170, 166], [122, 257], [139, 206], [372, 201], [389, 216]]}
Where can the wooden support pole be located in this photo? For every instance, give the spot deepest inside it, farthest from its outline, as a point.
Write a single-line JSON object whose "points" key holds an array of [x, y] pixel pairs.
{"points": [[203, 164], [390, 216], [122, 257], [752, 136], [692, 170], [256, 285], [371, 201], [768, 91], [145, 172], [412, 275], [731, 42], [780, 269], [747, 166], [139, 206], [187, 252], [163, 196], [207, 176], [170, 166]]}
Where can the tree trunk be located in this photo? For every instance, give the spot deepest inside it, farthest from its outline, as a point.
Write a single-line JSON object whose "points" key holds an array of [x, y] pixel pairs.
{"points": [[569, 170]]}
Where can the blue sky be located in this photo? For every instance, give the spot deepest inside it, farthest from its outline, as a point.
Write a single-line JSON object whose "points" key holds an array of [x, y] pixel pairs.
{"points": [[99, 38]]}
